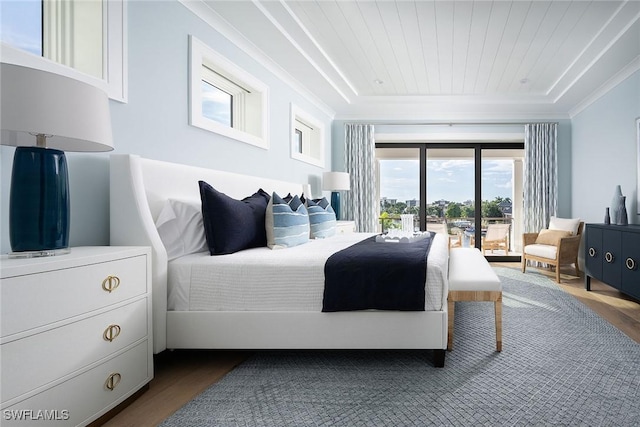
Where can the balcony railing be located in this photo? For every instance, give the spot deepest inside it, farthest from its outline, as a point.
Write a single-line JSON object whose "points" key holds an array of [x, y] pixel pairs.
{"points": [[462, 227]]}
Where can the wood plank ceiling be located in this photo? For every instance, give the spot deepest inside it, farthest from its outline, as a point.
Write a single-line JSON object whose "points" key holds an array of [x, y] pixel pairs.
{"points": [[454, 57]]}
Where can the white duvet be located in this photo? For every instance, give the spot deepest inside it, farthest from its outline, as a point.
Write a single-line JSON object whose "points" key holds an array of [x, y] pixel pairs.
{"points": [[292, 279]]}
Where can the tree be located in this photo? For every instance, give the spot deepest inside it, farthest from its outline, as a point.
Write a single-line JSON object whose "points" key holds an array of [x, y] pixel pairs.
{"points": [[490, 209], [434, 210], [468, 211], [454, 210]]}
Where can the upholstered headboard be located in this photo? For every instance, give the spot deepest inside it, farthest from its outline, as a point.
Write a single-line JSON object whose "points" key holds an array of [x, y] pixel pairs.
{"points": [[138, 190]]}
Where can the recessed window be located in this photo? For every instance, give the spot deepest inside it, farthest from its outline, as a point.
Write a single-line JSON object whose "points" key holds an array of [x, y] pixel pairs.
{"points": [[87, 36], [307, 137], [225, 99]]}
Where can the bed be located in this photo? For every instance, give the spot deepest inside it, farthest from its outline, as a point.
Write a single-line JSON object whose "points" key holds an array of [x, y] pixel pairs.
{"points": [[195, 308]]}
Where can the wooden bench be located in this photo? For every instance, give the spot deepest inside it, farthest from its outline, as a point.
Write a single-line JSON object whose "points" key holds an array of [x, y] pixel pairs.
{"points": [[471, 278]]}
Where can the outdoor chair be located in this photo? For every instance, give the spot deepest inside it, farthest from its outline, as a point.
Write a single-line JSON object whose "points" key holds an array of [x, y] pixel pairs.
{"points": [[497, 237]]}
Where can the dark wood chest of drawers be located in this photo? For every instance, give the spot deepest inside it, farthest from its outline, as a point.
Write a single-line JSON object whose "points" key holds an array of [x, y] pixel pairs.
{"points": [[612, 255]]}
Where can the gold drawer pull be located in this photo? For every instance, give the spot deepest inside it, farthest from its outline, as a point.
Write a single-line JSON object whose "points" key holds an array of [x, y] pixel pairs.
{"points": [[608, 257], [113, 381], [631, 264], [592, 252], [111, 332], [110, 283]]}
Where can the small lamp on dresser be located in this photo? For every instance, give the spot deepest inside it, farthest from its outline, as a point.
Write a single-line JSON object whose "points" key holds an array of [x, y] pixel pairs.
{"points": [[45, 114], [335, 182]]}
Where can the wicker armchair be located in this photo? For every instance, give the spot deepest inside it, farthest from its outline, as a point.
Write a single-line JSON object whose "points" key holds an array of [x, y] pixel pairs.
{"points": [[566, 251]]}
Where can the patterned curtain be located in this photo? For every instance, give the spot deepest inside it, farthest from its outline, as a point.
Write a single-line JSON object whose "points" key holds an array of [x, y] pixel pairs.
{"points": [[540, 175], [360, 202]]}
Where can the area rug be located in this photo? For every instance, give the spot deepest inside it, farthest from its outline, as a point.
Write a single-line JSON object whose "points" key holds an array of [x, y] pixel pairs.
{"points": [[561, 364]]}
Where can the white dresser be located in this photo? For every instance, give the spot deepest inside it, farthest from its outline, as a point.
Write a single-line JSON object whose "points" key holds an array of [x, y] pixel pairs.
{"points": [[75, 334]]}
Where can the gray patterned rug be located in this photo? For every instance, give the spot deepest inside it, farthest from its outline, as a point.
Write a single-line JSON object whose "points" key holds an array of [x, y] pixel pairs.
{"points": [[561, 364]]}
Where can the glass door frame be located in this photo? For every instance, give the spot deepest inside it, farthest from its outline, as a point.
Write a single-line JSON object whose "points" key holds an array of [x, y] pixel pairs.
{"points": [[478, 147]]}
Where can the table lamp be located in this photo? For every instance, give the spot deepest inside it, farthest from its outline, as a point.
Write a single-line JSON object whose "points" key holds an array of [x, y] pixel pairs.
{"points": [[335, 182], [45, 114]]}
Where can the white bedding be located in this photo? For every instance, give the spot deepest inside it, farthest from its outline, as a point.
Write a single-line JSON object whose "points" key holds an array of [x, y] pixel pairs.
{"points": [[292, 279]]}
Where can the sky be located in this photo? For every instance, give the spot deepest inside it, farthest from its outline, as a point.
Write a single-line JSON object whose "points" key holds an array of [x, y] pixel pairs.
{"points": [[20, 24], [446, 179]]}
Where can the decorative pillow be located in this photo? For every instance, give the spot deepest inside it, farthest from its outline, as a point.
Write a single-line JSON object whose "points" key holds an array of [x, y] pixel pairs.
{"points": [[567, 224], [287, 224], [551, 237], [180, 227], [322, 218], [288, 198], [232, 225]]}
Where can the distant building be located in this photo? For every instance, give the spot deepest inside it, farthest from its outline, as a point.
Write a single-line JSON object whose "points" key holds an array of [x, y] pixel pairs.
{"points": [[506, 208], [412, 203]]}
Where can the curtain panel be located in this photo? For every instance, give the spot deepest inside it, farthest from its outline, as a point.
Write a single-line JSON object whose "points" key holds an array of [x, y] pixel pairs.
{"points": [[361, 205], [540, 175]]}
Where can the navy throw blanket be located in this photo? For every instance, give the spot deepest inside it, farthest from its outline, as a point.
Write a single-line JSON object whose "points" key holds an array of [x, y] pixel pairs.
{"points": [[381, 276]]}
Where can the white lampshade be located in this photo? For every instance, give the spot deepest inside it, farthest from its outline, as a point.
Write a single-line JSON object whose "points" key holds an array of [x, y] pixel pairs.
{"points": [[44, 114], [335, 181], [74, 115]]}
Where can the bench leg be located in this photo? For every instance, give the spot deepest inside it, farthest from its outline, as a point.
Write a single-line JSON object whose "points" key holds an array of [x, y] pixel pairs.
{"points": [[498, 310], [451, 308]]}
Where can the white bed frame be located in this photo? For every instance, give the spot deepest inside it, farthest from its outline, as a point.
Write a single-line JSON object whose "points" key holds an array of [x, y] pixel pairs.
{"points": [[138, 190]]}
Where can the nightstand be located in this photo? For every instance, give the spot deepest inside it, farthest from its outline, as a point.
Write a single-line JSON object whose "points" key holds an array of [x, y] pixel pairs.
{"points": [[75, 334], [345, 227]]}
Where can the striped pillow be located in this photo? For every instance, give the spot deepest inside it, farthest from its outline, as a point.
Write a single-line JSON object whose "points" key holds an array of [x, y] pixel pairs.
{"points": [[322, 218], [287, 224]]}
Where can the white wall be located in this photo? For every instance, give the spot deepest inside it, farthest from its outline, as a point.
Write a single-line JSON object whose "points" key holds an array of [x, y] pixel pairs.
{"points": [[605, 152], [154, 123]]}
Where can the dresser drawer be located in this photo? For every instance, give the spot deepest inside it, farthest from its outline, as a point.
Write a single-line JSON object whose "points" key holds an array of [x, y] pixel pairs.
{"points": [[85, 397], [33, 300], [36, 360]]}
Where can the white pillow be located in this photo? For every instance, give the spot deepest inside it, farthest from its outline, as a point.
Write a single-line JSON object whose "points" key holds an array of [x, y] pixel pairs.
{"points": [[566, 224], [181, 228]]}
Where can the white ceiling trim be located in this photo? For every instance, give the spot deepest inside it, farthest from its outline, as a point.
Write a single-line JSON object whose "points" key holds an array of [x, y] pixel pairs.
{"points": [[581, 55], [317, 45], [621, 76], [450, 137], [433, 114], [599, 55], [212, 18], [299, 48]]}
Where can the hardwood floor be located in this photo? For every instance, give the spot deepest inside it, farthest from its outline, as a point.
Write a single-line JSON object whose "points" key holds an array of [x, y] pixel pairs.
{"points": [[181, 375]]}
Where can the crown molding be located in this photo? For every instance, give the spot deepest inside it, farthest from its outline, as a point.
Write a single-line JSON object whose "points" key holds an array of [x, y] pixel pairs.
{"points": [[614, 81], [200, 9]]}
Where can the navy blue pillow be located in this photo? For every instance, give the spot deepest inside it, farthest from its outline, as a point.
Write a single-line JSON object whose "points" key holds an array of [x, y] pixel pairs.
{"points": [[232, 225]]}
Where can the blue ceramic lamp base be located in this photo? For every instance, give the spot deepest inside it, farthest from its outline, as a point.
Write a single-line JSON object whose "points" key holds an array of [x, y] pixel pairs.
{"points": [[39, 203], [335, 203]]}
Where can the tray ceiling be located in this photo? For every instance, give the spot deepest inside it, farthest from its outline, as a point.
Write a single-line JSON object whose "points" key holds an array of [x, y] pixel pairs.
{"points": [[440, 59]]}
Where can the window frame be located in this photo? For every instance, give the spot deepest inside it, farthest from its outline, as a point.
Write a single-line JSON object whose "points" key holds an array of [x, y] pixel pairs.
{"points": [[250, 123], [314, 137], [114, 81]]}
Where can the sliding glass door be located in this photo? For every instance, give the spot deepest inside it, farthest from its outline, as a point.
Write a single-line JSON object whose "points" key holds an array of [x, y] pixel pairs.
{"points": [[399, 186], [450, 179], [471, 191]]}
